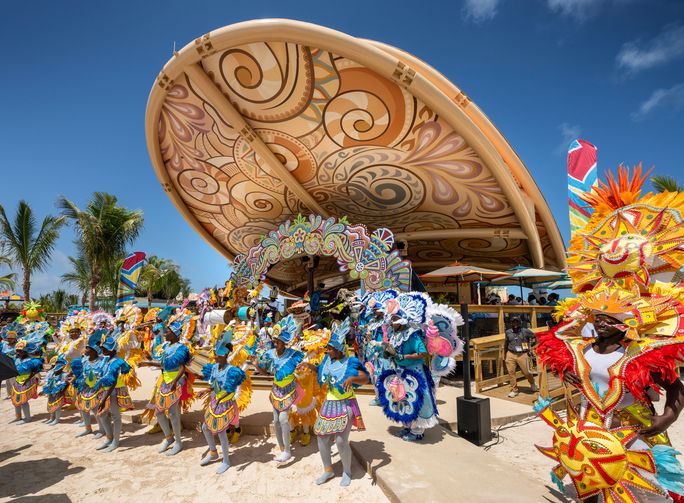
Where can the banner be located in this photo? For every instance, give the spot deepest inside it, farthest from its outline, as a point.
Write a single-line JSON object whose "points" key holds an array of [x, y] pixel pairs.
{"points": [[582, 176], [128, 280]]}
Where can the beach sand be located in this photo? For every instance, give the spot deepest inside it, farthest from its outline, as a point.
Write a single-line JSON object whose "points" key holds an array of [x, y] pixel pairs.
{"points": [[46, 463]]}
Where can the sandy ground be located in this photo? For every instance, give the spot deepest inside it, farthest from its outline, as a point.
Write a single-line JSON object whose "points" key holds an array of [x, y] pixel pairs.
{"points": [[46, 463], [516, 441]]}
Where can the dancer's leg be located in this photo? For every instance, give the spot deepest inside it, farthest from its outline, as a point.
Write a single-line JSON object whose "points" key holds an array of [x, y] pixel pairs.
{"points": [[175, 420], [213, 454], [58, 414], [106, 427], [278, 430], [225, 446], [8, 389], [85, 416], [343, 447], [326, 456], [284, 420], [115, 412], [17, 415], [163, 423], [26, 409]]}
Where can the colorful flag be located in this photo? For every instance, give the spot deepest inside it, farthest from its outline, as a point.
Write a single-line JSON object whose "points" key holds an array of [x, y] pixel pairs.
{"points": [[582, 176], [128, 280]]}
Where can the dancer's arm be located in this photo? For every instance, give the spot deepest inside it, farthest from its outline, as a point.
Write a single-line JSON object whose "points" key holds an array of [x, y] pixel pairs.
{"points": [[674, 403]]}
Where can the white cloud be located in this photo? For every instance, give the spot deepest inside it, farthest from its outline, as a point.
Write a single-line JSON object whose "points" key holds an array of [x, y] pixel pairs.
{"points": [[480, 10], [568, 133], [581, 10], [638, 55], [672, 97], [578, 9]]}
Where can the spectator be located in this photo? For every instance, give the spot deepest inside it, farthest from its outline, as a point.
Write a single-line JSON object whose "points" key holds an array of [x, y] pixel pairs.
{"points": [[542, 301], [516, 354], [553, 299], [531, 299]]}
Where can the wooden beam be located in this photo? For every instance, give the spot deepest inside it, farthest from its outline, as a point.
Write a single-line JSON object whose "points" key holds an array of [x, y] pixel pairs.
{"points": [[219, 100], [478, 232]]}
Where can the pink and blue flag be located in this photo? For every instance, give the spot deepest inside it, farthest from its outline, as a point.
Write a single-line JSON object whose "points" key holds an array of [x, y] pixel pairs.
{"points": [[582, 176]]}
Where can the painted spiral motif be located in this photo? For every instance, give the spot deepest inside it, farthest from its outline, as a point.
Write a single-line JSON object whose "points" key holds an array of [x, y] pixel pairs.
{"points": [[270, 82]]}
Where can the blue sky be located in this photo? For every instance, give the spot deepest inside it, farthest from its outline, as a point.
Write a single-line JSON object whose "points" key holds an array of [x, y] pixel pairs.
{"points": [[76, 77]]}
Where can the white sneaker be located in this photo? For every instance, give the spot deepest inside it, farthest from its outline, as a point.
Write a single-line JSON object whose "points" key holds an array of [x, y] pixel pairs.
{"points": [[512, 394], [534, 388]]}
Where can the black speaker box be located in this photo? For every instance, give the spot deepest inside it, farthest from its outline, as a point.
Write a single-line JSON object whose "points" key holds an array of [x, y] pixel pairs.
{"points": [[474, 419]]}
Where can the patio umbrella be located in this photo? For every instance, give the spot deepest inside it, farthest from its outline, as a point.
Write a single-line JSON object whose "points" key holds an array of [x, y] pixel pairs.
{"points": [[559, 285], [462, 272], [527, 276]]}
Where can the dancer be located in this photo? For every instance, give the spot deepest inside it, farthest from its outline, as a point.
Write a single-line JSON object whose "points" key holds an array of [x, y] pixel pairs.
{"points": [[87, 371], [407, 353], [55, 386], [282, 362], [374, 312], [173, 387], [222, 410], [9, 340], [340, 411], [303, 415], [620, 342], [116, 395], [25, 386]]}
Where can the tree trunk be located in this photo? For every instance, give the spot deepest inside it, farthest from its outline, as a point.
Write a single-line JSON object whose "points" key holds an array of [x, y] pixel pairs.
{"points": [[149, 298], [27, 284], [84, 297], [94, 281]]}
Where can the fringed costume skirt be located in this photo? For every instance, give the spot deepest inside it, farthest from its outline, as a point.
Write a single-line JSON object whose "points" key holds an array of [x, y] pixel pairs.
{"points": [[22, 393], [55, 402], [166, 396], [284, 397], [89, 399], [334, 416], [219, 415]]}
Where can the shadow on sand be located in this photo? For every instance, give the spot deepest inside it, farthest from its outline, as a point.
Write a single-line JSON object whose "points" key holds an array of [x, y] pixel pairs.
{"points": [[26, 477]]}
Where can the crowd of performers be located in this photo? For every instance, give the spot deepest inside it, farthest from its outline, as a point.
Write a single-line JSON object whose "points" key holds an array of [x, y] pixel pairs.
{"points": [[402, 343], [619, 342]]}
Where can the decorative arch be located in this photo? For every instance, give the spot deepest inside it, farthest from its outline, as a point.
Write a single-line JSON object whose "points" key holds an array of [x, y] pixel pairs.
{"points": [[369, 257]]}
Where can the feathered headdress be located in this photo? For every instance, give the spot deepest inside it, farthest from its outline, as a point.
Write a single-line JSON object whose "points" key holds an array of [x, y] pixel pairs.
{"points": [[285, 329], [14, 330], [338, 338]]}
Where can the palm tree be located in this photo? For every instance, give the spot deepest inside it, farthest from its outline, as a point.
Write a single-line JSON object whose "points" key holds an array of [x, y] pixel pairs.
{"points": [[664, 183], [154, 274], [79, 277], [175, 284], [7, 280], [104, 230], [27, 246]]}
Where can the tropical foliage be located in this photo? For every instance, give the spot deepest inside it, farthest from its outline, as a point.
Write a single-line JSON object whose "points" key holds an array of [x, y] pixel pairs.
{"points": [[57, 301], [6, 280], [664, 183], [27, 245], [104, 230]]}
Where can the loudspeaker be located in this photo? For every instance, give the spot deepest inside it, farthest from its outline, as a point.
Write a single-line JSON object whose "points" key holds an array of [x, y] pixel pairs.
{"points": [[474, 419]]}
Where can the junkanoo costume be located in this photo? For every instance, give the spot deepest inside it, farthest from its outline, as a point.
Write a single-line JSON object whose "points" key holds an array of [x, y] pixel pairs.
{"points": [[25, 385], [167, 399], [54, 387], [72, 349], [87, 375], [128, 341], [372, 317], [340, 411], [303, 414], [625, 263], [407, 389], [222, 410], [286, 391], [115, 394]]}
